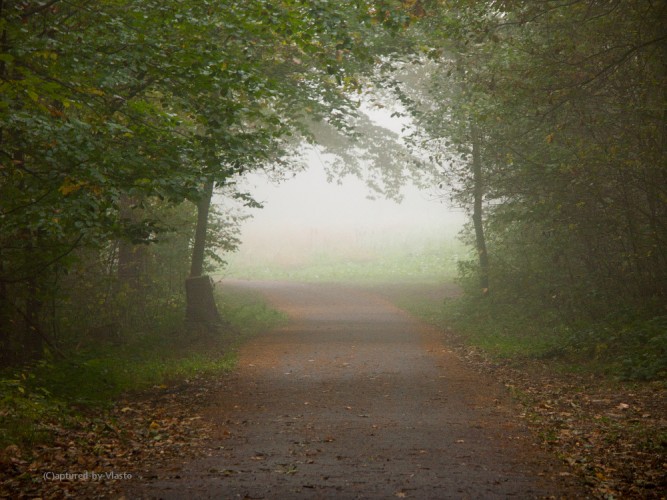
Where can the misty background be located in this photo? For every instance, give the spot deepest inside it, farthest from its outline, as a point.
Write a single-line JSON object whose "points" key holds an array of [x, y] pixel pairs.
{"points": [[307, 219]]}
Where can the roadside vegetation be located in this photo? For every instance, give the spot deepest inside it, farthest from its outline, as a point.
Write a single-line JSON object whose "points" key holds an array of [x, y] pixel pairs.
{"points": [[58, 393], [545, 121], [628, 344], [623, 346], [593, 392], [118, 121]]}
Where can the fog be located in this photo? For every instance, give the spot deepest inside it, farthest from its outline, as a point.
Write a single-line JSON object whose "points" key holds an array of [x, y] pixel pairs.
{"points": [[306, 217]]}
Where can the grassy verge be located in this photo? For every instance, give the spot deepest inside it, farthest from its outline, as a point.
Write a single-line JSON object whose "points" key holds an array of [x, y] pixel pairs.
{"points": [[61, 390], [619, 348]]}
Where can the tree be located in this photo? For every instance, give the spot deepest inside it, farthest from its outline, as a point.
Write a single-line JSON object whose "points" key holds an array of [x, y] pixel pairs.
{"points": [[568, 99], [108, 107]]}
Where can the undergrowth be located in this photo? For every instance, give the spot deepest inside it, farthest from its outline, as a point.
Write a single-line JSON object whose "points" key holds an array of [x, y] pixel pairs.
{"points": [[61, 389], [627, 347]]}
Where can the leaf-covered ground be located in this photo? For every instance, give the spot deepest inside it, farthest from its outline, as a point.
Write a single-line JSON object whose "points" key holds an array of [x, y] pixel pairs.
{"points": [[613, 435], [154, 428]]}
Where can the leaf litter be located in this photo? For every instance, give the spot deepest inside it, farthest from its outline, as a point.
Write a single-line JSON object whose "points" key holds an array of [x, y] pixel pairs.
{"points": [[611, 434], [100, 449]]}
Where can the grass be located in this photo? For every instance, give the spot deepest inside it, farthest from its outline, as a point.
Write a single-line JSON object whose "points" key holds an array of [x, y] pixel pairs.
{"points": [[92, 379], [247, 312], [430, 262], [630, 348], [498, 331]]}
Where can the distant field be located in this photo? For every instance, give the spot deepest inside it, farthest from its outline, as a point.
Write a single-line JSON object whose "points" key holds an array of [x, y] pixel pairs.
{"points": [[350, 258]]}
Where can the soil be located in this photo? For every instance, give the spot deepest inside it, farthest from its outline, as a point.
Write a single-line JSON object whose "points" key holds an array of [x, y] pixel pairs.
{"points": [[353, 398]]}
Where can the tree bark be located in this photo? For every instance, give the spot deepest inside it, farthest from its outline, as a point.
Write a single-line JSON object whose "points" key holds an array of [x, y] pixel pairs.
{"points": [[203, 208], [200, 301], [477, 214]]}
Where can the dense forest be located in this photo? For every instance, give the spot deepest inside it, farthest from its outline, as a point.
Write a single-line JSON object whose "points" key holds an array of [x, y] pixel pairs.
{"points": [[545, 120], [552, 118], [560, 112]]}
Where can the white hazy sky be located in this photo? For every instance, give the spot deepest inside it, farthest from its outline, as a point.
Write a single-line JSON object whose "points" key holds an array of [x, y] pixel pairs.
{"points": [[309, 200]]}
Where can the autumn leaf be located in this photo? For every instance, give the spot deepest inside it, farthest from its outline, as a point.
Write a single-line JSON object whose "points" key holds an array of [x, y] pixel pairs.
{"points": [[70, 186]]}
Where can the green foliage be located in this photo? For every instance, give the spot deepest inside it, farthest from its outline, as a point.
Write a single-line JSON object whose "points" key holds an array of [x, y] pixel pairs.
{"points": [[26, 412], [109, 107], [628, 346], [509, 331], [569, 100], [247, 313], [631, 348]]}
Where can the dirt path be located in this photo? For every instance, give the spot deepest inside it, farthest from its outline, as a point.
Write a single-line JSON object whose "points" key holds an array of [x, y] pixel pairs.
{"points": [[355, 399]]}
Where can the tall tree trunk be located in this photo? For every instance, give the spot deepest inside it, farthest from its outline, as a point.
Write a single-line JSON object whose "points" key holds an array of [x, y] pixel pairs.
{"points": [[477, 213], [130, 288], [198, 250], [200, 302]]}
